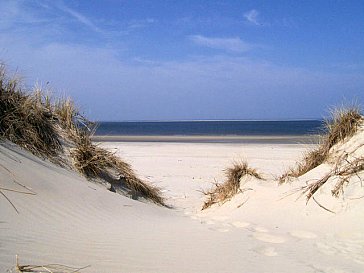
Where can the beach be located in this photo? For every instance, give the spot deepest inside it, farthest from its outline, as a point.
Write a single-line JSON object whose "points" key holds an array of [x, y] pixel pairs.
{"points": [[184, 170], [181, 136], [265, 228]]}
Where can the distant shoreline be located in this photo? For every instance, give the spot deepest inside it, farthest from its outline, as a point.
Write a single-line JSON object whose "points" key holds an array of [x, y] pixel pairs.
{"points": [[208, 120], [258, 139]]}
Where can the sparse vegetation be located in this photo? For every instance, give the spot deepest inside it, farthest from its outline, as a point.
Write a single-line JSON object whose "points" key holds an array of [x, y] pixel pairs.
{"points": [[57, 131], [343, 124], [225, 191]]}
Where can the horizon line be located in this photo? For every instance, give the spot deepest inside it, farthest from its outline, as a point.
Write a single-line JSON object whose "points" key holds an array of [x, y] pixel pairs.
{"points": [[216, 120]]}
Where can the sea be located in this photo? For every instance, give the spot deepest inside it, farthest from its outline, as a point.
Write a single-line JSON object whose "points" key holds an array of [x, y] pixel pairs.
{"points": [[207, 128]]}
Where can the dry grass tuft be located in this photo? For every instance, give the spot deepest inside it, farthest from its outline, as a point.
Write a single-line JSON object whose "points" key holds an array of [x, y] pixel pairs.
{"points": [[224, 192], [342, 172], [35, 123], [88, 158], [310, 160], [26, 120], [74, 126], [343, 124], [95, 162]]}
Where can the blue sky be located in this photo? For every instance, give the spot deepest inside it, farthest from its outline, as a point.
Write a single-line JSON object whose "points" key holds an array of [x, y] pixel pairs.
{"points": [[178, 60]]}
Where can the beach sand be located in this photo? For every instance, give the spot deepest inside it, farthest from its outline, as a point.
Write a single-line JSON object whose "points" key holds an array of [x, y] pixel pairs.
{"points": [[272, 139], [266, 228]]}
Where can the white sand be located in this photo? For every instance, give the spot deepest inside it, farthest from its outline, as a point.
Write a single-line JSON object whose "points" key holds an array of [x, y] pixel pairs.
{"points": [[74, 222]]}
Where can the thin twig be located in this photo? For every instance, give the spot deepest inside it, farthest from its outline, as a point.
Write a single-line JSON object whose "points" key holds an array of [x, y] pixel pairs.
{"points": [[243, 203], [47, 269], [25, 187], [321, 206], [355, 198], [81, 268], [51, 268], [23, 192], [11, 203], [292, 192]]}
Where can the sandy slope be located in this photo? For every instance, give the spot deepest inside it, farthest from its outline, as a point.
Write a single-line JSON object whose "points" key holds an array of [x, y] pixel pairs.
{"points": [[74, 222]]}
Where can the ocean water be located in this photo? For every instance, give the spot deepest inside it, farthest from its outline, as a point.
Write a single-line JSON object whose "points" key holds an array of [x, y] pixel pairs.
{"points": [[210, 128]]}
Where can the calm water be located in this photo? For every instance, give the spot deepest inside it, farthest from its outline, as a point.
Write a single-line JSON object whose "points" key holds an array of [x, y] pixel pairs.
{"points": [[210, 128]]}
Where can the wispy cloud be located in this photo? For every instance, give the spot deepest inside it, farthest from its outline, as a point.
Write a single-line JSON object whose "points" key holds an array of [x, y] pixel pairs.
{"points": [[228, 86], [18, 14], [252, 17], [227, 44], [135, 24], [79, 17]]}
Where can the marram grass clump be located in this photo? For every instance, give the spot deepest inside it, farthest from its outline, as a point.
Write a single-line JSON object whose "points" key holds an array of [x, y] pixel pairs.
{"points": [[225, 191], [311, 160], [343, 124], [95, 162], [27, 120], [57, 131]]}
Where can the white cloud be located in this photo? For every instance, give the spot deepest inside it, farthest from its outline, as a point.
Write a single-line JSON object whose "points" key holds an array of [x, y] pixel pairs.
{"points": [[252, 17], [79, 17], [228, 44]]}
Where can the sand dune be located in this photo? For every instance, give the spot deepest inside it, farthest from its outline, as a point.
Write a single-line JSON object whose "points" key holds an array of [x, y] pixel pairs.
{"points": [[74, 222]]}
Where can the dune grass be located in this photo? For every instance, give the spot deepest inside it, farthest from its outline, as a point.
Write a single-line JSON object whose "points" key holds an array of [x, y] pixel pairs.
{"points": [[26, 120], [95, 162], [51, 129], [225, 191], [343, 124]]}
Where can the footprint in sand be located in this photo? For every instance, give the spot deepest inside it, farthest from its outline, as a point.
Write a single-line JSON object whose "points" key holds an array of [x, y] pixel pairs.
{"points": [[209, 222], [302, 234], [267, 251], [268, 238], [219, 229], [219, 218], [239, 224], [326, 249], [350, 249], [328, 269], [261, 229], [222, 229]]}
